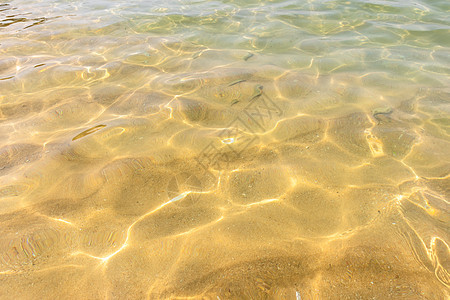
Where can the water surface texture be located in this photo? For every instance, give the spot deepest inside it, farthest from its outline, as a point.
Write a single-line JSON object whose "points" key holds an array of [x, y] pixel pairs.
{"points": [[224, 149]]}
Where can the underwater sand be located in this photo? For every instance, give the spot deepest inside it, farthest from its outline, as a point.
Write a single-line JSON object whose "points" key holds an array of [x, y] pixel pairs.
{"points": [[224, 150]]}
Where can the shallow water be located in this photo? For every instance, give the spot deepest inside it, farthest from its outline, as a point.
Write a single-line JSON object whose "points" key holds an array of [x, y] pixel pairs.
{"points": [[224, 149]]}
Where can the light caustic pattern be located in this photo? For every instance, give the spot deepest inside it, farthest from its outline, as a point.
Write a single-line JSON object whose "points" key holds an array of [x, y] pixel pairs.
{"points": [[251, 150]]}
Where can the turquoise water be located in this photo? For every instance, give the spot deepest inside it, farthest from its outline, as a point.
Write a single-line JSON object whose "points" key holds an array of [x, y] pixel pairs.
{"points": [[224, 149]]}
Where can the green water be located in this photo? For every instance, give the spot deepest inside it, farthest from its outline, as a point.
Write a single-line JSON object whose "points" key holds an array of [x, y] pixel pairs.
{"points": [[224, 149]]}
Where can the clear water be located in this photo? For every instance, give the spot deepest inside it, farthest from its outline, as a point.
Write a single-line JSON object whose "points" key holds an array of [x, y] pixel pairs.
{"points": [[224, 149]]}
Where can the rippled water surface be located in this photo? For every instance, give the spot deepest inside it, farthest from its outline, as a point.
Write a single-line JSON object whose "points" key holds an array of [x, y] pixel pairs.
{"points": [[224, 149]]}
